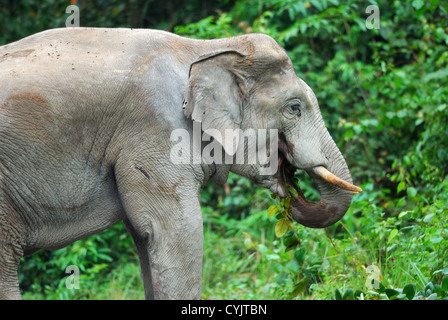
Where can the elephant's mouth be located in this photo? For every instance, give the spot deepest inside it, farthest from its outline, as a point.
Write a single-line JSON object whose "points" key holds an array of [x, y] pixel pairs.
{"points": [[335, 194], [285, 179]]}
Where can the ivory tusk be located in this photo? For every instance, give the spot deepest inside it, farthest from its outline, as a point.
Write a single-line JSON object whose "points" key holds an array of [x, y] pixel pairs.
{"points": [[338, 182]]}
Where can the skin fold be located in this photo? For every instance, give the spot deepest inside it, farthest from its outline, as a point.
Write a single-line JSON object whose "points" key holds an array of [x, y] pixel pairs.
{"points": [[86, 116]]}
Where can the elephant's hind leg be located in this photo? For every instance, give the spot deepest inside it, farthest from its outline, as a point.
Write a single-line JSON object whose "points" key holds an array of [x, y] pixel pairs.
{"points": [[11, 250], [9, 282]]}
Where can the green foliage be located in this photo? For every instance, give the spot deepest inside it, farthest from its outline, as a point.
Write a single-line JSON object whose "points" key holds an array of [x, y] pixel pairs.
{"points": [[383, 96], [25, 17], [284, 218], [102, 259], [408, 292]]}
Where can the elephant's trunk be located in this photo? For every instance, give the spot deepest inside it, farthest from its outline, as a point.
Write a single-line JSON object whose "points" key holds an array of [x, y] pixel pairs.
{"points": [[335, 187]]}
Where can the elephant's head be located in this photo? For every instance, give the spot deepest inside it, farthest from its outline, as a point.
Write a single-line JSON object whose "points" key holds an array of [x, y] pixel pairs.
{"points": [[248, 82]]}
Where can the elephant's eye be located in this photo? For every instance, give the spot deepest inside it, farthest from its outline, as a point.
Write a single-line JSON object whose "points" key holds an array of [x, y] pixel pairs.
{"points": [[296, 109]]}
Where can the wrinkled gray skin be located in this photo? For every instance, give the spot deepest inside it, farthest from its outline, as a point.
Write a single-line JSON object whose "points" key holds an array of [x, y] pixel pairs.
{"points": [[85, 123]]}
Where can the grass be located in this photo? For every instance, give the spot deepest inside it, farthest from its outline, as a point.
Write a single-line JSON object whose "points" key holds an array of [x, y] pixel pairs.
{"points": [[244, 259]]}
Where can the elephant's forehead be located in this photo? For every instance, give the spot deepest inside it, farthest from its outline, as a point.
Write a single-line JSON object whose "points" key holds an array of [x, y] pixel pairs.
{"points": [[266, 47], [277, 86]]}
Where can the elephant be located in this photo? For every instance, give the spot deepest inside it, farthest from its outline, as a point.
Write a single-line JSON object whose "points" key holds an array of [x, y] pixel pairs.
{"points": [[86, 123]]}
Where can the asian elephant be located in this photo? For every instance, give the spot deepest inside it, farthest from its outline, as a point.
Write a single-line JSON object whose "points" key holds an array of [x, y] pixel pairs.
{"points": [[86, 123]]}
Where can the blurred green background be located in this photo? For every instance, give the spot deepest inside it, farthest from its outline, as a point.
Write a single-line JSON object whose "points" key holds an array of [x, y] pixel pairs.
{"points": [[383, 94]]}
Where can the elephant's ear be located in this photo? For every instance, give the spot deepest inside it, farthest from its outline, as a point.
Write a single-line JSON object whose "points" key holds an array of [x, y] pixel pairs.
{"points": [[215, 96]]}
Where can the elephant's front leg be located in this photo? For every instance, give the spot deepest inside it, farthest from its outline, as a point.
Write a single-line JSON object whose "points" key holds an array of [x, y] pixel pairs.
{"points": [[167, 218], [175, 256]]}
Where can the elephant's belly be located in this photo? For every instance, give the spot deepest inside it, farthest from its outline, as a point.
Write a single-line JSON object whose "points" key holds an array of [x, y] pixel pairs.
{"points": [[60, 226]]}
